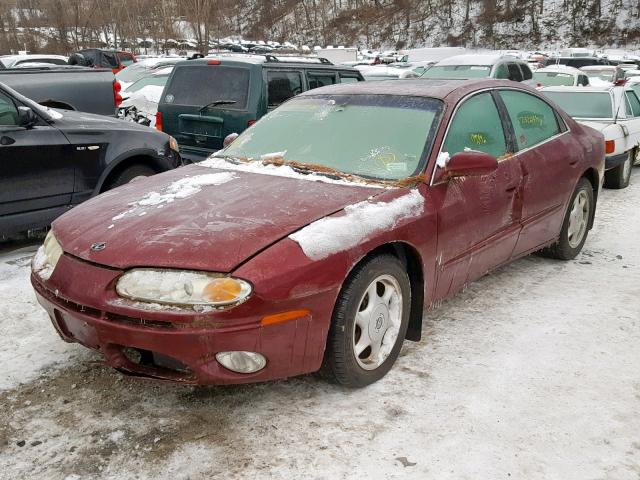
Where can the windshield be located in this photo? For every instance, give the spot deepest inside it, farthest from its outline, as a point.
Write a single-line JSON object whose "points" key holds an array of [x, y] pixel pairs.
{"points": [[458, 71], [553, 79], [375, 136], [156, 80], [132, 74], [583, 104], [606, 75]]}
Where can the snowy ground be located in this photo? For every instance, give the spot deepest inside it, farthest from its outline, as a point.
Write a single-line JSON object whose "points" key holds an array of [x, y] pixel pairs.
{"points": [[531, 373]]}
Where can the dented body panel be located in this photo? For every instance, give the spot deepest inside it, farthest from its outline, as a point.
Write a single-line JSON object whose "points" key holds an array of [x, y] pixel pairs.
{"points": [[246, 225]]}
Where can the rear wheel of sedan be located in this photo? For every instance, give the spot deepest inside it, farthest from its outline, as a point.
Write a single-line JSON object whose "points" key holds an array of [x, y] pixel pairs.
{"points": [[128, 174], [576, 223], [369, 322], [619, 176]]}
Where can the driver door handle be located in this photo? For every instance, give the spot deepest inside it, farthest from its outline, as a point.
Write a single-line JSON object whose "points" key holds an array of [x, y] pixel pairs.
{"points": [[4, 140]]}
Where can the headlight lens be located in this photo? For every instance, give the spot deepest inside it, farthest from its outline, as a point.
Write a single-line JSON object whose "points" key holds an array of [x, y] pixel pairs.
{"points": [[173, 144], [242, 362], [46, 258], [182, 287]]}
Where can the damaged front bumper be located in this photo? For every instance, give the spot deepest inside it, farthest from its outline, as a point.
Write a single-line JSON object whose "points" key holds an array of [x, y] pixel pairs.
{"points": [[175, 346]]}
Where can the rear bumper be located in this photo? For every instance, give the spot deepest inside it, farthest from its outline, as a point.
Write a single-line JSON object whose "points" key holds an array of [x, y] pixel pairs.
{"points": [[615, 160], [184, 351]]}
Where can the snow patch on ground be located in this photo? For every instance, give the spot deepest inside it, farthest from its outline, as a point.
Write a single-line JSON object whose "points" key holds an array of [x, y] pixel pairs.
{"points": [[329, 235], [180, 189], [279, 171]]}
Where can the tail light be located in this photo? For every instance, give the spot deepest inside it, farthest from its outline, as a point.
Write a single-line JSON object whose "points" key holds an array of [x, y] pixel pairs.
{"points": [[620, 82], [251, 122], [159, 121], [214, 62], [609, 146], [117, 98]]}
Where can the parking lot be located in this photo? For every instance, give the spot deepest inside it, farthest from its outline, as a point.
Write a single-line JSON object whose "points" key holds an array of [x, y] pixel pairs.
{"points": [[531, 372]]}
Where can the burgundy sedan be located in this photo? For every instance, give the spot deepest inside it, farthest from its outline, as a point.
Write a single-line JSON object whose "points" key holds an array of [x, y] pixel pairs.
{"points": [[316, 238]]}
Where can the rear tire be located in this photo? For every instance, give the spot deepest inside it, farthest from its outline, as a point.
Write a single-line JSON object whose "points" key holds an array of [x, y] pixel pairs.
{"points": [[369, 322], [128, 174], [619, 176], [575, 227]]}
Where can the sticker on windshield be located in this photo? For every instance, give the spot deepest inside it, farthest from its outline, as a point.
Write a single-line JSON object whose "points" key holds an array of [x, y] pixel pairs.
{"points": [[479, 138], [169, 98], [396, 167], [530, 120]]}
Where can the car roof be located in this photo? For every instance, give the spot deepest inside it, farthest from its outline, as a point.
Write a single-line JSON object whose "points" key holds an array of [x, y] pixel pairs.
{"points": [[427, 88], [599, 67], [578, 89], [480, 59], [270, 60], [560, 69]]}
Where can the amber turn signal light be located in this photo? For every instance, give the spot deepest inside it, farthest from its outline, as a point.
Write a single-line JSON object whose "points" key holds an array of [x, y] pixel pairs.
{"points": [[284, 317], [609, 146]]}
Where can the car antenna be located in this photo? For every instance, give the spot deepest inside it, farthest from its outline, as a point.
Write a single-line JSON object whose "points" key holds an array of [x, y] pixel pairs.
{"points": [[615, 118]]}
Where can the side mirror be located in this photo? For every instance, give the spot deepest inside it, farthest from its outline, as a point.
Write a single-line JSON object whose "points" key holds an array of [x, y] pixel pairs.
{"points": [[470, 163], [228, 140], [26, 117]]}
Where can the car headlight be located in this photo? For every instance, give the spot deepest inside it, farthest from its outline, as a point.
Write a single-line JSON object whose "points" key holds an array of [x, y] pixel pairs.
{"points": [[46, 258], [173, 144], [182, 287]]}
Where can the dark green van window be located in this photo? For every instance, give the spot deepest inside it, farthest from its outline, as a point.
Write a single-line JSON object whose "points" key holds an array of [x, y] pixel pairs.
{"points": [[200, 85], [348, 78], [533, 119], [477, 126], [282, 85], [317, 80]]}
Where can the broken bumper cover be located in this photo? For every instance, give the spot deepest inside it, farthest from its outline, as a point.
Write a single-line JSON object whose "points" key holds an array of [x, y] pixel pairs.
{"points": [[615, 160], [182, 351]]}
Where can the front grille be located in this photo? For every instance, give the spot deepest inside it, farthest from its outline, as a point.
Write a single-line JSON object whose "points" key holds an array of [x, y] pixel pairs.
{"points": [[140, 322]]}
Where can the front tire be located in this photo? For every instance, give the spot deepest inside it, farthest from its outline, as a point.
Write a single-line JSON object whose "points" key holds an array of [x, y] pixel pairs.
{"points": [[369, 322], [128, 174], [619, 176], [576, 223]]}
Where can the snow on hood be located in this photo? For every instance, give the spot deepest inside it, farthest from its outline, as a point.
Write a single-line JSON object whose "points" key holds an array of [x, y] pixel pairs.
{"points": [[329, 235], [280, 171], [227, 217], [180, 189]]}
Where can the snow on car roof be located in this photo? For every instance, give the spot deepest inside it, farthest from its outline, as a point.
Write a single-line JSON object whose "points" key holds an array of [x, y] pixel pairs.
{"points": [[428, 88], [608, 68], [559, 69], [481, 59]]}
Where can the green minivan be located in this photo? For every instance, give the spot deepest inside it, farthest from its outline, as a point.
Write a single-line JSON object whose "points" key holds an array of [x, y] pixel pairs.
{"points": [[206, 99]]}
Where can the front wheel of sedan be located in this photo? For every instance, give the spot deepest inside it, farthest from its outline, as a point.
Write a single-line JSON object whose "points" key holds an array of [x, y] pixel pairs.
{"points": [[369, 322], [576, 223]]}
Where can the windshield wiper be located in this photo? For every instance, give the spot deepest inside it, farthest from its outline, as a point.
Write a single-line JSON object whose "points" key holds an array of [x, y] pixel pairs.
{"points": [[216, 103]]}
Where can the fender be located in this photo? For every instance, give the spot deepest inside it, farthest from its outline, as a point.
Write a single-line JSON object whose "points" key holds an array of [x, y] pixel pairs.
{"points": [[124, 156]]}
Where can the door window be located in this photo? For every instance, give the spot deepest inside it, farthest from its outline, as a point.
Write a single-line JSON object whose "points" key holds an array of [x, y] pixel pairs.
{"points": [[282, 86], [317, 80], [8, 111], [533, 119], [477, 126], [634, 103], [526, 72], [514, 72], [348, 78], [502, 71]]}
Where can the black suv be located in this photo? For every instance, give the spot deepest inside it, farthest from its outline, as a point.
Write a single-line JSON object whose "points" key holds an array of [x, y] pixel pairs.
{"points": [[51, 160], [207, 99]]}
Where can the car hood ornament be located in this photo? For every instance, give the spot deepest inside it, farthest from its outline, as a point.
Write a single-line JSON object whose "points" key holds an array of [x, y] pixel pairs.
{"points": [[98, 246]]}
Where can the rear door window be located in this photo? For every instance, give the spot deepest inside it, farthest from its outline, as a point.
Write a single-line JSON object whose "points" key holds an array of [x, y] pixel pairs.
{"points": [[514, 72], [200, 85], [349, 78], [282, 85], [320, 79], [634, 103], [466, 132], [526, 72], [533, 119]]}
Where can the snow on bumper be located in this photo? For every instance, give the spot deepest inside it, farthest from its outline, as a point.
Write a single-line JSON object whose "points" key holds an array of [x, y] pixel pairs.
{"points": [[169, 345]]}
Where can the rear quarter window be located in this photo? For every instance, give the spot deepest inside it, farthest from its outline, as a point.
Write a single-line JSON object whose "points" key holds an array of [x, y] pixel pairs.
{"points": [[199, 85]]}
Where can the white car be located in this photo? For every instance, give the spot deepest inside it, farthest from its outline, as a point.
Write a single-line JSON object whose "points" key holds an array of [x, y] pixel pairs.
{"points": [[14, 61], [505, 67], [560, 75], [385, 72], [604, 75], [613, 111]]}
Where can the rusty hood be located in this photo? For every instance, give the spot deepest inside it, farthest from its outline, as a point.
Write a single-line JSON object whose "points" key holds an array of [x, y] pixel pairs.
{"points": [[198, 217]]}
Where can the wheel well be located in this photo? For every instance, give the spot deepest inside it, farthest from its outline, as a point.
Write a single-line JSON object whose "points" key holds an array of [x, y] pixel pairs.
{"points": [[411, 258], [126, 163], [592, 176], [56, 104]]}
